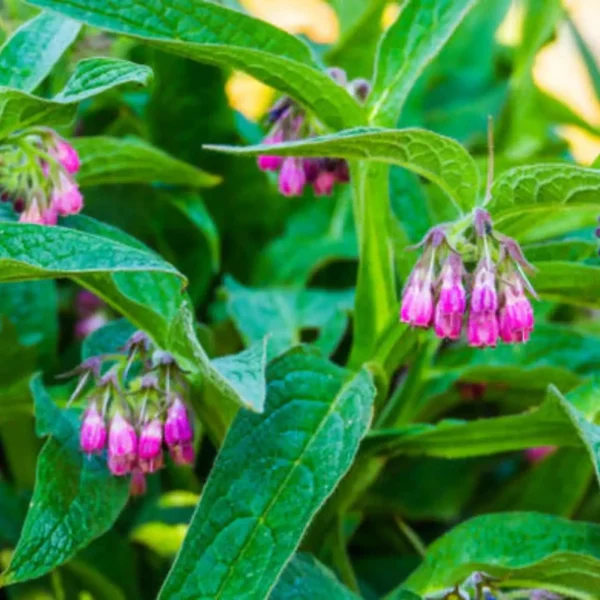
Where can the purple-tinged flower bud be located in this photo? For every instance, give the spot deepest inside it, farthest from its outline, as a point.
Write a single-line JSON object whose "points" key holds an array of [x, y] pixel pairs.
{"points": [[150, 447], [417, 298], [292, 178], [483, 294], [324, 183], [482, 329], [360, 89], [516, 314], [338, 75], [452, 300], [183, 454], [66, 155], [92, 437], [66, 197], [178, 428], [271, 163], [122, 446], [138, 484]]}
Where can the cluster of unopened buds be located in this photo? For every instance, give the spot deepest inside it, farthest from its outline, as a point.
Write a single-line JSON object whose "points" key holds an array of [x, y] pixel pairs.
{"points": [[495, 297], [37, 169], [290, 122], [133, 408]]}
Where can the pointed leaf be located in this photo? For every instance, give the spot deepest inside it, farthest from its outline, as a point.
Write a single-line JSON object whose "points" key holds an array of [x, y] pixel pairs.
{"points": [[409, 45], [28, 56], [437, 158], [272, 474], [207, 32], [106, 160]]}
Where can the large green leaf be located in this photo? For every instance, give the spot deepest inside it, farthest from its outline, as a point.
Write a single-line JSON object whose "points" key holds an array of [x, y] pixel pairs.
{"points": [[29, 54], [521, 549], [75, 499], [437, 158], [408, 46], [273, 473], [106, 160], [556, 422], [541, 201], [282, 314], [210, 33], [305, 578], [91, 77]]}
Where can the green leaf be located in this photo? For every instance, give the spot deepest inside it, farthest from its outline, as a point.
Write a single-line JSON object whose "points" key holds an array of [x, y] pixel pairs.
{"points": [[537, 202], [93, 76], [75, 498], [437, 158], [592, 66], [521, 549], [19, 110], [109, 339], [561, 250], [271, 476], [28, 56], [213, 34], [245, 374], [557, 422], [305, 578], [106, 160], [282, 314], [571, 283], [409, 45]]}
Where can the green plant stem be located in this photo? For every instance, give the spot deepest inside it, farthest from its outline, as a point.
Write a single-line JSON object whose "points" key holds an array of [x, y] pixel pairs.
{"points": [[375, 288], [411, 535]]}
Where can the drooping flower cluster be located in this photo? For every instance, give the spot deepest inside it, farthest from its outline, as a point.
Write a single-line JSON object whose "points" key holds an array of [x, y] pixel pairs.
{"points": [[496, 302], [290, 122], [134, 409], [37, 169]]}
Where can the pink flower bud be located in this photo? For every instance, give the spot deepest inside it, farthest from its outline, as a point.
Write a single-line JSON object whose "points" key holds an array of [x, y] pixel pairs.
{"points": [[178, 428], [417, 299], [183, 454], [271, 163], [452, 300], [92, 437], [66, 155], [292, 178], [516, 315], [150, 447], [483, 294], [66, 197], [122, 446], [87, 325], [324, 182], [138, 484], [50, 216], [482, 330]]}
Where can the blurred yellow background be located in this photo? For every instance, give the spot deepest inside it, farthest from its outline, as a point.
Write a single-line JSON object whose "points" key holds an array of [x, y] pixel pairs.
{"points": [[559, 69]]}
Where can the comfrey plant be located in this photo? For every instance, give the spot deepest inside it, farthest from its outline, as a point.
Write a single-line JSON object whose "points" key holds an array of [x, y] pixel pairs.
{"points": [[290, 122], [37, 169], [132, 408], [494, 303]]}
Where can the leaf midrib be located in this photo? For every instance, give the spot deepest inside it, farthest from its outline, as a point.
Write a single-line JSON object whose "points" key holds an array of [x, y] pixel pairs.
{"points": [[281, 487]]}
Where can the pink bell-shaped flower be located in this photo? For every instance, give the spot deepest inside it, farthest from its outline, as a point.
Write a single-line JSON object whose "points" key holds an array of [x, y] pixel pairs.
{"points": [[122, 446], [66, 197], [66, 155], [292, 178], [92, 436], [452, 300], [417, 299], [150, 447], [516, 314]]}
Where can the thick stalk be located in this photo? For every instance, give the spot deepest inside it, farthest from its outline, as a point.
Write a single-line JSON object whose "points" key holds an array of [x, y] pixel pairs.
{"points": [[375, 288]]}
